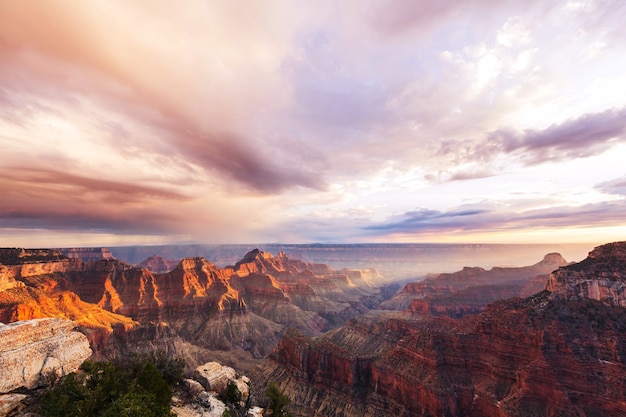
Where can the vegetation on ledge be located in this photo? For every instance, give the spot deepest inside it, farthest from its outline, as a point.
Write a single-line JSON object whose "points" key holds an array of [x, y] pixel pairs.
{"points": [[138, 387]]}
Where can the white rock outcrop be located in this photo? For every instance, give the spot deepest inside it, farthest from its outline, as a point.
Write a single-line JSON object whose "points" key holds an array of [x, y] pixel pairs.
{"points": [[255, 412], [214, 377], [204, 404], [32, 350]]}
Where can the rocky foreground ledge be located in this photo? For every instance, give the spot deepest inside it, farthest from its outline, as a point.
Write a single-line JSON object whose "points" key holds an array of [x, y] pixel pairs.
{"points": [[33, 350]]}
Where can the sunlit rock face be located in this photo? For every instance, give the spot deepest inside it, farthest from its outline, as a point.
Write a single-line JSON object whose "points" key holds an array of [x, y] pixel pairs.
{"points": [[247, 306], [7, 279], [600, 277], [33, 350], [545, 355], [194, 308], [35, 284]]}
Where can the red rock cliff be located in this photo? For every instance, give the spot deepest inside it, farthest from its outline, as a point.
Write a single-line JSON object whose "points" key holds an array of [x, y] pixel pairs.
{"points": [[546, 355]]}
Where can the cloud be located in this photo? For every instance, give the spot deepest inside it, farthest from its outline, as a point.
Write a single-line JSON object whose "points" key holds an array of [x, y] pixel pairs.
{"points": [[581, 137], [584, 136], [65, 186], [251, 165], [399, 17], [414, 221], [36, 198], [202, 89], [487, 217], [55, 202], [616, 186]]}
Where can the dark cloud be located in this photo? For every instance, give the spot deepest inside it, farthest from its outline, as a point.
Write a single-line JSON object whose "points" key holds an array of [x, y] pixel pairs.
{"points": [[87, 219], [66, 186], [588, 215], [227, 156]]}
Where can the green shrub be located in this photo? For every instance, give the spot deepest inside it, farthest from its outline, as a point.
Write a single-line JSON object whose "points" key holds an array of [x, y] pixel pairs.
{"points": [[104, 389]]}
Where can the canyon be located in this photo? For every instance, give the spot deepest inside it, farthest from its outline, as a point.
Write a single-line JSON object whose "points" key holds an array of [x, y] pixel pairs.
{"points": [[194, 309], [396, 262], [541, 340], [558, 352]]}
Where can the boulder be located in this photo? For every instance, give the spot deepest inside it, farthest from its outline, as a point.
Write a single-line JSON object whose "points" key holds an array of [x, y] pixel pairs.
{"points": [[214, 377], [32, 351]]}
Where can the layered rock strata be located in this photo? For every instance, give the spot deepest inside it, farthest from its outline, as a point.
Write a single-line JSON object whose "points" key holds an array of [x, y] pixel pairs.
{"points": [[247, 306], [601, 277], [547, 355], [87, 254], [33, 350]]}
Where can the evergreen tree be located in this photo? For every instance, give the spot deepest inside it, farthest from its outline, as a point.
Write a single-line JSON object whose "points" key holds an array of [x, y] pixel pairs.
{"points": [[278, 400]]}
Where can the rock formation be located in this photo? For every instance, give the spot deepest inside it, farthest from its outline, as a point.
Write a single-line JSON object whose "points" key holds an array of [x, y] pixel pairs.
{"points": [[601, 277], [33, 350], [195, 308], [213, 376], [7, 279], [470, 290], [561, 353], [157, 264], [206, 393], [11, 403], [18, 256]]}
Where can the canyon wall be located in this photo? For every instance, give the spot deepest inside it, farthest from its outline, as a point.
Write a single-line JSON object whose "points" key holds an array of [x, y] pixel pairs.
{"points": [[550, 354], [601, 277], [247, 306]]}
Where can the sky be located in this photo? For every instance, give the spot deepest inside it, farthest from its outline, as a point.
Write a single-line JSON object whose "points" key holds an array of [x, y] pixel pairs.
{"points": [[151, 122]]}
